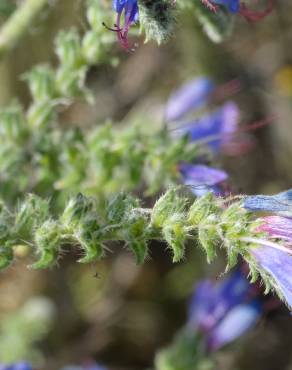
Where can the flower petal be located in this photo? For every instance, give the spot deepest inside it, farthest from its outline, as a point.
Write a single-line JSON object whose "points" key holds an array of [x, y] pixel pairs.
{"points": [[280, 203], [191, 96], [279, 265], [235, 323]]}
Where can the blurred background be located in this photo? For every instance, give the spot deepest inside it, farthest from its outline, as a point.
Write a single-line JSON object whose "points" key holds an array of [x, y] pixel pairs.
{"points": [[115, 312]]}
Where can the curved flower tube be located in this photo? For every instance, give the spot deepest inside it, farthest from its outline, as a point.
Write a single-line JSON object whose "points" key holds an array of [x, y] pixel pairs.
{"points": [[127, 9]]}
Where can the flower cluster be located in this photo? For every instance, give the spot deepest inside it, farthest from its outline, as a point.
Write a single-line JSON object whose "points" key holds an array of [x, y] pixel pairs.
{"points": [[224, 310], [219, 313], [273, 252], [185, 115]]}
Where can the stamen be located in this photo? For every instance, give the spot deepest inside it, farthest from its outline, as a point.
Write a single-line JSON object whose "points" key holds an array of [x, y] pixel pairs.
{"points": [[116, 29], [267, 243]]}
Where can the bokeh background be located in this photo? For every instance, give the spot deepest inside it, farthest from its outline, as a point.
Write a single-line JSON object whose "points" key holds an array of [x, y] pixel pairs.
{"points": [[115, 312]]}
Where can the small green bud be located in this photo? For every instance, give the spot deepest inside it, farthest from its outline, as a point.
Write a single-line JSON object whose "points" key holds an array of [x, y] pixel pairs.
{"points": [[120, 207], [12, 124], [166, 206], [94, 14], [175, 233], [40, 114], [140, 250], [89, 236], [47, 240], [135, 232], [68, 49], [202, 208], [77, 208], [71, 82], [41, 83], [91, 47], [32, 212], [208, 236]]}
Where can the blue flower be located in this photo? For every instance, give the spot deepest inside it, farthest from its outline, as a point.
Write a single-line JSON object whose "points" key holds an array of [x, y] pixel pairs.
{"points": [[22, 365], [128, 10], [278, 264], [232, 5], [271, 250], [224, 310], [280, 203], [191, 96], [216, 128], [202, 178]]}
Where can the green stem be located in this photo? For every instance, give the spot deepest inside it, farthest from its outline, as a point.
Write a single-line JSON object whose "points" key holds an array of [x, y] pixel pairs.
{"points": [[18, 23]]}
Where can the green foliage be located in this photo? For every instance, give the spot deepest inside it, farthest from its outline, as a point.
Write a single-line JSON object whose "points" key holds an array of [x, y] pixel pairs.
{"points": [[7, 8], [186, 353], [173, 219]]}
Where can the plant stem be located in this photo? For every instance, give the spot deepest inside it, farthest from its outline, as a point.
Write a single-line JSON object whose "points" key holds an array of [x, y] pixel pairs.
{"points": [[18, 23]]}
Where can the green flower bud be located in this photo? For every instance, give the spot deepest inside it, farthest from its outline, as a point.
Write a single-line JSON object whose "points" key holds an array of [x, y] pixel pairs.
{"points": [[175, 233], [68, 49], [89, 236], [202, 208], [41, 83], [71, 82], [40, 114], [208, 236], [32, 212], [47, 240], [166, 206], [76, 209], [12, 124], [94, 14], [91, 47], [120, 206], [135, 232]]}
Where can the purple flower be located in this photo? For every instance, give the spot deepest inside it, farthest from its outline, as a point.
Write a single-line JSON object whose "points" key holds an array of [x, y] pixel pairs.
{"points": [[203, 178], [91, 366], [22, 365], [239, 319], [273, 253], [278, 264], [129, 12], [224, 310], [216, 128], [191, 96], [232, 5], [280, 203]]}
